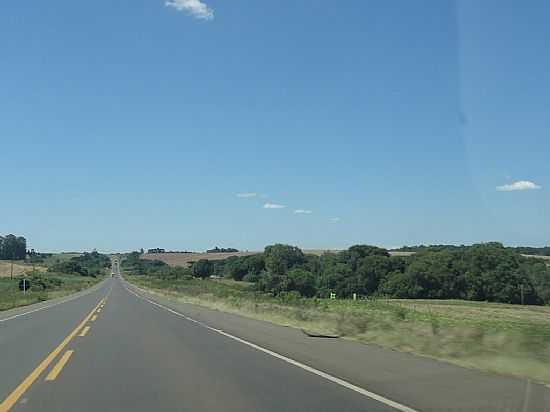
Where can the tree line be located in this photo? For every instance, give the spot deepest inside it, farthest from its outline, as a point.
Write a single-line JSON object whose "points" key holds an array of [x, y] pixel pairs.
{"points": [[222, 250], [13, 247], [481, 272], [524, 250], [88, 264]]}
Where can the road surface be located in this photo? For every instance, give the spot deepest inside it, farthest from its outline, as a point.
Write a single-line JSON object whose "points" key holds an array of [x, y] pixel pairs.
{"points": [[116, 348]]}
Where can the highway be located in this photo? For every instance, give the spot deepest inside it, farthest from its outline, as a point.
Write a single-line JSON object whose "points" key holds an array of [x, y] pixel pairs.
{"points": [[117, 348]]}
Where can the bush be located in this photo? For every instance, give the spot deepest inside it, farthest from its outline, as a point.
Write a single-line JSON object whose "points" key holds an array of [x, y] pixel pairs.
{"points": [[280, 258], [70, 266], [301, 281], [202, 269], [88, 264], [42, 283]]}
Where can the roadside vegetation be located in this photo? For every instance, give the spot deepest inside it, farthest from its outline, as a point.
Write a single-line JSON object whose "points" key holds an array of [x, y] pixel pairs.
{"points": [[88, 264], [436, 304], [38, 277], [42, 287], [524, 250], [483, 272]]}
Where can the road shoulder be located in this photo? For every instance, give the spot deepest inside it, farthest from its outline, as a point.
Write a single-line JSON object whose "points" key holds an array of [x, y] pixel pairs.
{"points": [[412, 380]]}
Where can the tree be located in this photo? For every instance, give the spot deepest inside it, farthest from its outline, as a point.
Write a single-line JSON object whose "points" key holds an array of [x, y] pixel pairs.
{"points": [[202, 268], [255, 264], [302, 281], [70, 266], [539, 275], [13, 247], [371, 270], [273, 282], [399, 285], [280, 258], [357, 252], [235, 268], [336, 277]]}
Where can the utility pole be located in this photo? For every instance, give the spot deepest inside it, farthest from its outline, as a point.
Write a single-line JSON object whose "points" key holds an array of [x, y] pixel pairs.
{"points": [[12, 258]]}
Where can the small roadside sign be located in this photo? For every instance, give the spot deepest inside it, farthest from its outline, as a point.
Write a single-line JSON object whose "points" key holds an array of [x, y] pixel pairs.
{"points": [[24, 285]]}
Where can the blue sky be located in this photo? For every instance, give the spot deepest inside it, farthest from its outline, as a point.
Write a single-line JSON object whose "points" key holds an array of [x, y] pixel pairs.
{"points": [[137, 123]]}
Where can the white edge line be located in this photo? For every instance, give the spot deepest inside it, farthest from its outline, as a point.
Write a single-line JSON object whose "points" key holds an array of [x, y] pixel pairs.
{"points": [[293, 362], [87, 291]]}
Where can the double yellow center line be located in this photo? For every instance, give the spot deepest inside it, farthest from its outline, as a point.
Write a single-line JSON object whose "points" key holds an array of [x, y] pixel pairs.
{"points": [[13, 397]]}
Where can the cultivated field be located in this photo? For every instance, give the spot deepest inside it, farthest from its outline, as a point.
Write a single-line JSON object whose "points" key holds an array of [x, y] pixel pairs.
{"points": [[18, 268], [547, 258], [185, 259]]}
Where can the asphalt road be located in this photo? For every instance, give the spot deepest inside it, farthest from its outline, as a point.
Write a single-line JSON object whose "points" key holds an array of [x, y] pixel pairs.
{"points": [[115, 348]]}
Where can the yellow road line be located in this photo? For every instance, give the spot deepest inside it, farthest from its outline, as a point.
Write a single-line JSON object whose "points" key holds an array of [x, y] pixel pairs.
{"points": [[84, 331], [59, 366], [13, 397], [93, 318]]}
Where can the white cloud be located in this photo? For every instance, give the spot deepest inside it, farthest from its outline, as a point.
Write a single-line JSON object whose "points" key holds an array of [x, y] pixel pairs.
{"points": [[334, 219], [520, 185], [245, 195], [303, 212], [195, 8], [273, 206]]}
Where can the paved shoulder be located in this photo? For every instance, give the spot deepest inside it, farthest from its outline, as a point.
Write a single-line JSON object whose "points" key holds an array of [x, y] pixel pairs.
{"points": [[419, 382]]}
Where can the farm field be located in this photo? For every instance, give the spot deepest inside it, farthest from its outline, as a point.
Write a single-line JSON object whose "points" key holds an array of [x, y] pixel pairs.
{"points": [[185, 259], [547, 258], [18, 268]]}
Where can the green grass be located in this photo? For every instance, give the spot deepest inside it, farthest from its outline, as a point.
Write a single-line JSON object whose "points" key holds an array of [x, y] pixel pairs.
{"points": [[60, 285], [506, 339]]}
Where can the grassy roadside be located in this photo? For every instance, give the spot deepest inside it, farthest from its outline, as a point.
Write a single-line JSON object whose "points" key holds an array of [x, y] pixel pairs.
{"points": [[43, 288], [499, 338]]}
